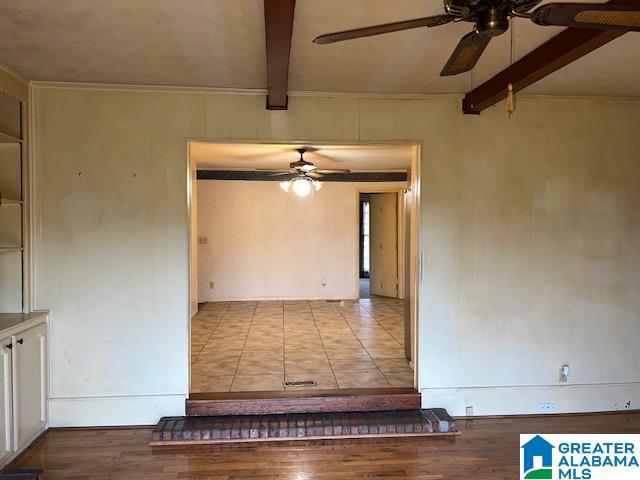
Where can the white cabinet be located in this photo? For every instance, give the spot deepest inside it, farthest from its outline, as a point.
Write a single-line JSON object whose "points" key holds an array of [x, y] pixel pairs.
{"points": [[6, 400], [23, 386], [29, 384]]}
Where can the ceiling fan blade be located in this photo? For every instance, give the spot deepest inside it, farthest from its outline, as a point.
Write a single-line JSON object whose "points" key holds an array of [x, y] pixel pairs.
{"points": [[384, 28], [588, 15], [314, 174], [466, 54], [277, 174], [280, 170]]}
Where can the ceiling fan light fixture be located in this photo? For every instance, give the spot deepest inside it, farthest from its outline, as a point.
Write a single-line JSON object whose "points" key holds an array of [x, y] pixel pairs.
{"points": [[302, 186]]}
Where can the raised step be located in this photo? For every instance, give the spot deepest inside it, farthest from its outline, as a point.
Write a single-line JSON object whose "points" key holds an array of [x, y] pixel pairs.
{"points": [[265, 403], [172, 431]]}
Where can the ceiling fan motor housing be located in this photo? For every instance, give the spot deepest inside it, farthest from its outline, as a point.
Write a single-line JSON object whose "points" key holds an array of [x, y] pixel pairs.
{"points": [[492, 22], [470, 9]]}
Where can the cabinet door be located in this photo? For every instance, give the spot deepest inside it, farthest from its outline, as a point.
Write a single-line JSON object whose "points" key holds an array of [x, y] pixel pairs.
{"points": [[5, 399], [29, 381]]}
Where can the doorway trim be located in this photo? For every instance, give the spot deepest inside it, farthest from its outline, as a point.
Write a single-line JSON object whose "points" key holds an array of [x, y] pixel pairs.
{"points": [[416, 263]]}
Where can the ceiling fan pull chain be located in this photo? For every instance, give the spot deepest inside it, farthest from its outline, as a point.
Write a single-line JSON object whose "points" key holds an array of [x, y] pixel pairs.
{"points": [[510, 100]]}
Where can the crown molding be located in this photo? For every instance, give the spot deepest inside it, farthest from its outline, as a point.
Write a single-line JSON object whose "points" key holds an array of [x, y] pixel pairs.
{"points": [[147, 88], [308, 93]]}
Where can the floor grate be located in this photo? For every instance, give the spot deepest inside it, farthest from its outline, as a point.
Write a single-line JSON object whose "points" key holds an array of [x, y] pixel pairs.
{"points": [[301, 383]]}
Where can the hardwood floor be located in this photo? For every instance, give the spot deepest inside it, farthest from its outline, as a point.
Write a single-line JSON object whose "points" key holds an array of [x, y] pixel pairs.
{"points": [[488, 449]]}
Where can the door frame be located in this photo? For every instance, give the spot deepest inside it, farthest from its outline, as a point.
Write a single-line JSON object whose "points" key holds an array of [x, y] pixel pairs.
{"points": [[416, 255]]}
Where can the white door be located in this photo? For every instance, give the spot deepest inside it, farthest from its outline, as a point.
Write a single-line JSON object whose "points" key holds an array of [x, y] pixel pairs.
{"points": [[29, 374], [383, 221], [5, 399]]}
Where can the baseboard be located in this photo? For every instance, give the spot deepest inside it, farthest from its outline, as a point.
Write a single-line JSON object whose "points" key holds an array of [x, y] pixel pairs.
{"points": [[541, 415], [529, 400], [114, 411], [266, 299]]}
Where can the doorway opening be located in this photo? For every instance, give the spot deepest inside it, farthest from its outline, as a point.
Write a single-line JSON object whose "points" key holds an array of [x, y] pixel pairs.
{"points": [[273, 305], [380, 253], [364, 246]]}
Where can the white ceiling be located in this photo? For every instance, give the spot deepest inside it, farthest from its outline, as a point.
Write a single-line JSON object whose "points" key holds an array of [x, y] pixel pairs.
{"points": [[217, 43], [246, 156], [220, 43]]}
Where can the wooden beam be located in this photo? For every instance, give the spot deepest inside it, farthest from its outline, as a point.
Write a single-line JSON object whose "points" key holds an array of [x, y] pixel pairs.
{"points": [[561, 50], [278, 20]]}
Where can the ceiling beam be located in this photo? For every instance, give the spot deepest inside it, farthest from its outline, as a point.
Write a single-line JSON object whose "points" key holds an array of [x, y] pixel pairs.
{"points": [[278, 21], [559, 51]]}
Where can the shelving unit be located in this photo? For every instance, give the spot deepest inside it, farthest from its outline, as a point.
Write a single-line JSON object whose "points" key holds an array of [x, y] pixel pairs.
{"points": [[12, 215], [4, 138]]}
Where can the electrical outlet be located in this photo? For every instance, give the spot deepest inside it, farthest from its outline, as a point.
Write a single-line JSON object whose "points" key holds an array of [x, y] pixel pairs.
{"points": [[324, 282], [565, 371], [468, 411], [210, 285], [548, 407], [627, 406]]}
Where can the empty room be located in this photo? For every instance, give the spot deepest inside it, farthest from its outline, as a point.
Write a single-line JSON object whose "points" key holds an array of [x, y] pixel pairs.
{"points": [[319, 240]]}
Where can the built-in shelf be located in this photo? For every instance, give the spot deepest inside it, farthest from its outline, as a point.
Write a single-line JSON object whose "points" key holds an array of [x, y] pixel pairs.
{"points": [[4, 138], [10, 249], [10, 201]]}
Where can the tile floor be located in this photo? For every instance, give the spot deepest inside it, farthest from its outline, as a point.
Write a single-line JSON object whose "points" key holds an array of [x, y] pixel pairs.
{"points": [[257, 346]]}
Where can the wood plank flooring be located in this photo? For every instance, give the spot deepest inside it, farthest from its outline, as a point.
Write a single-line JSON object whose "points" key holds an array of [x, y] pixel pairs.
{"points": [[488, 449]]}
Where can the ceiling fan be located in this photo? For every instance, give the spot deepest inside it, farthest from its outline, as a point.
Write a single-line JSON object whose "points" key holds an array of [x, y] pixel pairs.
{"points": [[302, 167], [491, 18], [304, 175]]}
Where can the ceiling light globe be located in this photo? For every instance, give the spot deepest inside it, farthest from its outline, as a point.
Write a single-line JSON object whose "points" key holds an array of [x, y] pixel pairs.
{"points": [[301, 187]]}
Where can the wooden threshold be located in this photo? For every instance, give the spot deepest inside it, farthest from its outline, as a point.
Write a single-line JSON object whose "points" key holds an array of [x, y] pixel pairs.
{"points": [[308, 401]]}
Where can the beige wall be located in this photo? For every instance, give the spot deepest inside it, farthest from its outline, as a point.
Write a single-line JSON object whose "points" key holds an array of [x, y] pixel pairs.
{"points": [[529, 237], [263, 243]]}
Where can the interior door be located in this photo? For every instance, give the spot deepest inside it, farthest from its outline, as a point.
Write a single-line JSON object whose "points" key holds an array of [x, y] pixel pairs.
{"points": [[29, 381], [383, 221]]}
